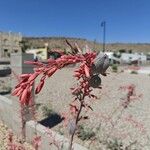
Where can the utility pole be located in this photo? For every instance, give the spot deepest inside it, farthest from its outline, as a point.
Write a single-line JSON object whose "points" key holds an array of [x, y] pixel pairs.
{"points": [[103, 24]]}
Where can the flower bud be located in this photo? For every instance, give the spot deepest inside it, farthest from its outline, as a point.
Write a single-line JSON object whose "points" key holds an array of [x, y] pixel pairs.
{"points": [[95, 81]]}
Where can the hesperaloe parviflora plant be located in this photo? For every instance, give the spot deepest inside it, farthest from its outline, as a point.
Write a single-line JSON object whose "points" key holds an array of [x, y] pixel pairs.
{"points": [[87, 76]]}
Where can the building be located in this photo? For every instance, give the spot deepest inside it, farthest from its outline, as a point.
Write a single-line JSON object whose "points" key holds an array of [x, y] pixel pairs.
{"points": [[9, 43], [39, 53], [129, 58], [44, 53], [112, 58]]}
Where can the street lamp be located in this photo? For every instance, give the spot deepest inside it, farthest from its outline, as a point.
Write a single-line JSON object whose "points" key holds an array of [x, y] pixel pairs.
{"points": [[103, 24]]}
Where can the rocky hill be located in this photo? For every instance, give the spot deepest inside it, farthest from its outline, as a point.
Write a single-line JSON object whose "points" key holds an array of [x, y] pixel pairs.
{"points": [[59, 42]]}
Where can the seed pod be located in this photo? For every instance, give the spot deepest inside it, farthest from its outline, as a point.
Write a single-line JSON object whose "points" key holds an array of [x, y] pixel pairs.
{"points": [[95, 81], [101, 64], [106, 64]]}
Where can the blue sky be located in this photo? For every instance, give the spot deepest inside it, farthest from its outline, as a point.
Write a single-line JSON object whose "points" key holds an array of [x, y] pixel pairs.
{"points": [[126, 20]]}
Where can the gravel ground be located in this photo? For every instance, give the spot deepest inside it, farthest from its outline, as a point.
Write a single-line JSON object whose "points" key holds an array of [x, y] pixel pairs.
{"points": [[135, 120], [4, 132], [5, 83]]}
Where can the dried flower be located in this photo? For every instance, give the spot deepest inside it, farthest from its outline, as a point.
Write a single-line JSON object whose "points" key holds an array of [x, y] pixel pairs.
{"points": [[36, 142]]}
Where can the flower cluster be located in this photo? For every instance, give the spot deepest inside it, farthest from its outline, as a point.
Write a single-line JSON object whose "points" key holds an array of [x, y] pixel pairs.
{"points": [[36, 142], [24, 89], [87, 75], [131, 94]]}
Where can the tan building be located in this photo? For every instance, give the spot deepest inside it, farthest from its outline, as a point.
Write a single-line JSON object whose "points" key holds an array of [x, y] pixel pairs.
{"points": [[9, 43]]}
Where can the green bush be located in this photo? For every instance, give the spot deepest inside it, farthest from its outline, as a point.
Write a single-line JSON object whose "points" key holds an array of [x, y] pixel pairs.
{"points": [[114, 145], [134, 72], [85, 133], [47, 111], [114, 68]]}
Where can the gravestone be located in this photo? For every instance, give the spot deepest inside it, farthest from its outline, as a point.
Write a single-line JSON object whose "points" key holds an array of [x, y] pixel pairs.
{"points": [[19, 67]]}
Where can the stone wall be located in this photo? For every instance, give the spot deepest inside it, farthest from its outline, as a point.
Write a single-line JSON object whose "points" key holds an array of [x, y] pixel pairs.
{"points": [[9, 43], [7, 115], [10, 114]]}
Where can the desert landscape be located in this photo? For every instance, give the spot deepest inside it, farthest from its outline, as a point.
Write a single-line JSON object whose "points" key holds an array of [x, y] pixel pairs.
{"points": [[131, 123], [75, 75], [56, 95]]}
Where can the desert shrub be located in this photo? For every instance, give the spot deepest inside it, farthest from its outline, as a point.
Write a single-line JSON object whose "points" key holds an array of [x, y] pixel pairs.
{"points": [[118, 55], [6, 88], [47, 111], [114, 145], [122, 51], [61, 130], [114, 68], [134, 72], [85, 133]]}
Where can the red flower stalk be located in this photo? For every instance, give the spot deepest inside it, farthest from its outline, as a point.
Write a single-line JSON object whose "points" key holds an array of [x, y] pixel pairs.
{"points": [[27, 80], [86, 75], [131, 95]]}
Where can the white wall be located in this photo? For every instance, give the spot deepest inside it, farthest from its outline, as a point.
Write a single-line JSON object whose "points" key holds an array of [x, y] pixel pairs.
{"points": [[125, 57]]}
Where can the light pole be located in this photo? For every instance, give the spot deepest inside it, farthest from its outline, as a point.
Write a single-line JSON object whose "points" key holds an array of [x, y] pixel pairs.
{"points": [[103, 24]]}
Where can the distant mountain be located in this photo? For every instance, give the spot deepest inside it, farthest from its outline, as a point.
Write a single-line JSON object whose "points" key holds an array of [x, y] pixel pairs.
{"points": [[59, 42]]}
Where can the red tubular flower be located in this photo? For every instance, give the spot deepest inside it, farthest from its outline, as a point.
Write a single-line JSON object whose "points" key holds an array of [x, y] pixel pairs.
{"points": [[39, 87], [51, 71], [87, 71], [76, 91], [48, 69], [60, 61], [70, 61], [20, 83], [25, 76], [33, 76], [16, 91], [33, 63], [24, 96], [67, 57], [19, 92], [51, 61]]}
